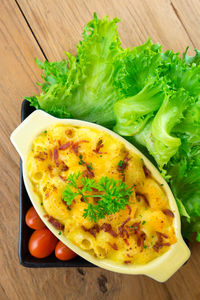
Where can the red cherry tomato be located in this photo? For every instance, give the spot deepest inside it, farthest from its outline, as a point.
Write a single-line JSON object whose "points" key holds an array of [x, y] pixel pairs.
{"points": [[33, 220], [62, 252], [42, 243]]}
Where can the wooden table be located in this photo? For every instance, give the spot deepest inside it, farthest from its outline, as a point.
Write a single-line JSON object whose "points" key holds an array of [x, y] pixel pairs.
{"points": [[45, 29]]}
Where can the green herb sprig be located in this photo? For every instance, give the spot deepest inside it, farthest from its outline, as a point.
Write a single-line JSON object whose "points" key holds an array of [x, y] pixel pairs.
{"points": [[113, 195]]}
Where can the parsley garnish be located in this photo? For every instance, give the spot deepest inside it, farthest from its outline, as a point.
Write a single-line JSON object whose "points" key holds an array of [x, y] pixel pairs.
{"points": [[81, 162], [113, 195], [59, 232], [121, 163], [143, 222], [90, 166], [145, 246]]}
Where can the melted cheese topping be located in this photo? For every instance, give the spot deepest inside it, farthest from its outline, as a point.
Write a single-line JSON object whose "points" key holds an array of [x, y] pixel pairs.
{"points": [[138, 234]]}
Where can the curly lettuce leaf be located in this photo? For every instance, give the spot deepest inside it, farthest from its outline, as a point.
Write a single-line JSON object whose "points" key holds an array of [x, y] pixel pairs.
{"points": [[178, 74], [184, 169], [191, 59], [141, 89], [168, 116], [99, 57], [82, 86], [133, 112], [138, 66]]}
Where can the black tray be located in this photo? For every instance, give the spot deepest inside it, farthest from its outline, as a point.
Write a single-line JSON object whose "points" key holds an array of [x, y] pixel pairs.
{"points": [[25, 232]]}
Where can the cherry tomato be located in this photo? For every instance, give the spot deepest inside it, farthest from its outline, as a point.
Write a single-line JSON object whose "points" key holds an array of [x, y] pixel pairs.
{"points": [[42, 243], [33, 220], [62, 252]]}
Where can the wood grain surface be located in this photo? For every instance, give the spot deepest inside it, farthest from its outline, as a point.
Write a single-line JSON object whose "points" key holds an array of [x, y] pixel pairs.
{"points": [[45, 29]]}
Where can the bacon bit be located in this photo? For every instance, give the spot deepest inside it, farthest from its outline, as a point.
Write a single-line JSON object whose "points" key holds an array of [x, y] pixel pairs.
{"points": [[126, 232], [159, 244], [88, 172], [40, 156], [108, 228], [168, 212], [55, 156], [59, 142], [54, 187], [126, 159], [45, 216], [50, 168], [46, 195], [124, 165], [161, 234], [63, 178], [126, 241], [139, 242], [114, 246], [156, 247], [127, 262], [95, 190], [166, 244], [146, 200], [93, 231], [64, 146], [50, 155], [64, 167], [98, 147], [64, 202], [121, 233], [141, 239], [129, 255], [76, 146], [113, 233], [121, 229], [143, 197], [82, 200], [126, 221], [129, 209], [123, 177], [146, 171], [55, 223], [69, 132], [136, 227]]}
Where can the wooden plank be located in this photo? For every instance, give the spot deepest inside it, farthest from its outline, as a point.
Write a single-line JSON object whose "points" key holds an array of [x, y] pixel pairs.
{"points": [[18, 75], [188, 12], [58, 23]]}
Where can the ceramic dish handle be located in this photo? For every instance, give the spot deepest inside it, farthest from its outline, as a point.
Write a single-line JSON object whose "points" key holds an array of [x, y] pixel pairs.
{"points": [[24, 134], [173, 260]]}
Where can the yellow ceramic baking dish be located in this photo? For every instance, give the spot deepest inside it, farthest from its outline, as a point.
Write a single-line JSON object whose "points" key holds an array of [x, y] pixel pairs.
{"points": [[160, 268]]}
